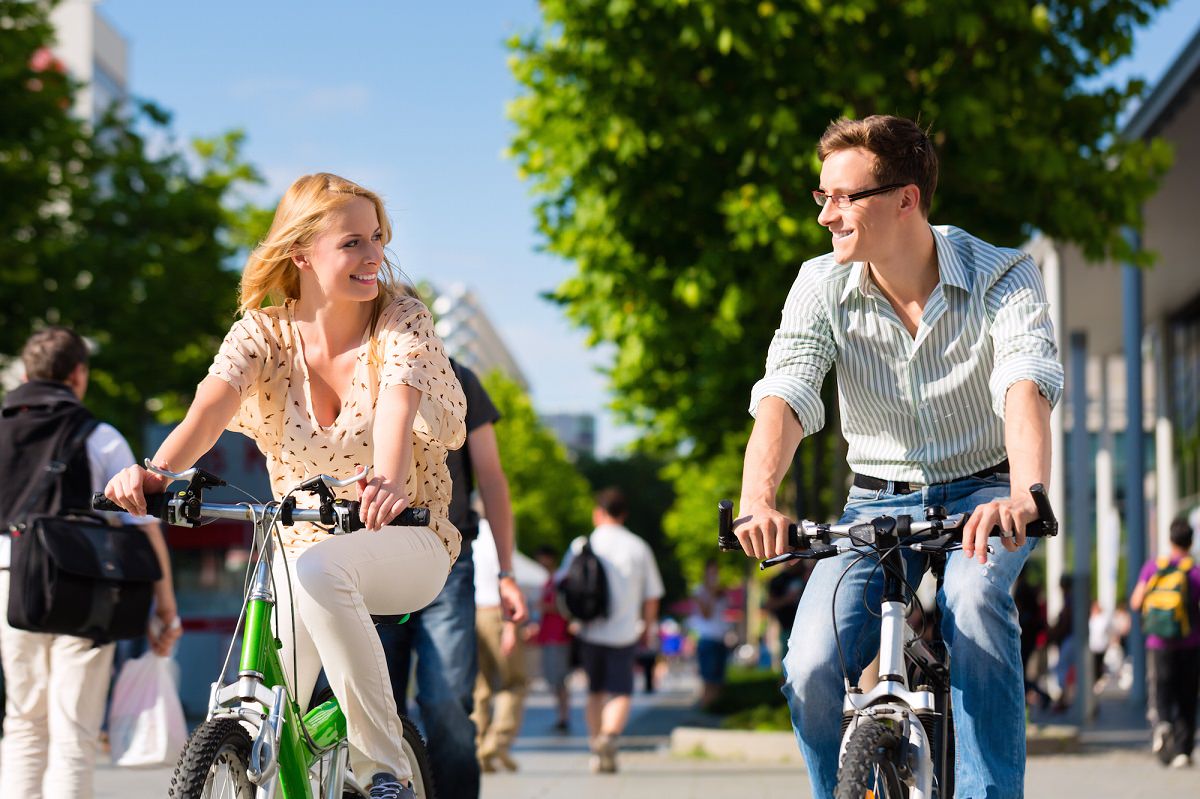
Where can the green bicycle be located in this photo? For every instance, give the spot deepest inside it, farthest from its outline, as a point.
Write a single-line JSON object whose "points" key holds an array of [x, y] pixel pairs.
{"points": [[256, 742]]}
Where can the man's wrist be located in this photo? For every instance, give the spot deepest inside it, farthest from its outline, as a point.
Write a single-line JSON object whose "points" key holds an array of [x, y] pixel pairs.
{"points": [[506, 574], [755, 502]]}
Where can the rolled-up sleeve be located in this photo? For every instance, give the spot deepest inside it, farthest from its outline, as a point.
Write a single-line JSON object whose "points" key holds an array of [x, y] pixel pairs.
{"points": [[799, 356], [1023, 336], [413, 356]]}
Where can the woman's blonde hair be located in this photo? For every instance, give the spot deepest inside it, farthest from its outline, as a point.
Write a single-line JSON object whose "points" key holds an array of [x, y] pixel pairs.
{"points": [[270, 272]]}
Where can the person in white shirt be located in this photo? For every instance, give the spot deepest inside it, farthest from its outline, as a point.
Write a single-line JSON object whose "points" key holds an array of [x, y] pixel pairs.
{"points": [[607, 645], [56, 684], [501, 682], [710, 627]]}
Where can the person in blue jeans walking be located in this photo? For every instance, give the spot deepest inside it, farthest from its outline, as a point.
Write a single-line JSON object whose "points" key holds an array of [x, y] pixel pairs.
{"points": [[442, 635], [947, 370]]}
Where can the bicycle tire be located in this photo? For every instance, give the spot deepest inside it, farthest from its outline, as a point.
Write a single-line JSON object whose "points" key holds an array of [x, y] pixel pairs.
{"points": [[215, 743], [418, 760], [869, 767]]}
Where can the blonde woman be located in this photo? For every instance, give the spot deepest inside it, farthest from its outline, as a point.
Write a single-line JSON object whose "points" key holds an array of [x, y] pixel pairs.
{"points": [[343, 371]]}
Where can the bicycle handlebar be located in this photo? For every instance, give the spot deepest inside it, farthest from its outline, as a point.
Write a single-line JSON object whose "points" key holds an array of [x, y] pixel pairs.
{"points": [[179, 509], [938, 533]]}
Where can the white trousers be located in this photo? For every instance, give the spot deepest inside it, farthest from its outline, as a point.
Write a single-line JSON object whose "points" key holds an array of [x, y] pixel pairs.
{"points": [[339, 582], [56, 686]]}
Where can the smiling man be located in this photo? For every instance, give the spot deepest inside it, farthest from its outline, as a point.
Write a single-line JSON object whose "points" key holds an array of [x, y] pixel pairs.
{"points": [[947, 370]]}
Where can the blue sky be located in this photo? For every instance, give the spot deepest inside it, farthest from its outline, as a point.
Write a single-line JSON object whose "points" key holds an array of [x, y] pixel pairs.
{"points": [[408, 98]]}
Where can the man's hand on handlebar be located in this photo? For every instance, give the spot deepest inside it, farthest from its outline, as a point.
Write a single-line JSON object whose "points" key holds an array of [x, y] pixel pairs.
{"points": [[1010, 514], [761, 530], [129, 487]]}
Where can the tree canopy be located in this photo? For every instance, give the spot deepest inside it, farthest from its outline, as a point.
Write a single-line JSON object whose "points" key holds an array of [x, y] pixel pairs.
{"points": [[670, 145], [551, 502], [126, 241]]}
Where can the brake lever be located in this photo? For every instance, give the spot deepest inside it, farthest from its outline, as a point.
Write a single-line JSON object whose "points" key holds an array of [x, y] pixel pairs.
{"points": [[815, 552]]}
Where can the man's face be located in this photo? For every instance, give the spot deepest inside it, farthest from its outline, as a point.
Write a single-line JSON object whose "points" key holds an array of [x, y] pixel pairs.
{"points": [[858, 230]]}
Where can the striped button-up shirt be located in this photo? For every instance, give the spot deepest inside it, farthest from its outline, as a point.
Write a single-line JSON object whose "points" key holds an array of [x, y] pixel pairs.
{"points": [[926, 408]]}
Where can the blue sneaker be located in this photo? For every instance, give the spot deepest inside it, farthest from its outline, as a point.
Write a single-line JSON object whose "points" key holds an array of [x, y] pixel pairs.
{"points": [[386, 786]]}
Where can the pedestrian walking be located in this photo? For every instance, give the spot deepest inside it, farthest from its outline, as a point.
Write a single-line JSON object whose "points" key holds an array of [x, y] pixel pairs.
{"points": [[502, 682], [442, 636], [57, 684], [554, 639], [1167, 595], [711, 628], [608, 644]]}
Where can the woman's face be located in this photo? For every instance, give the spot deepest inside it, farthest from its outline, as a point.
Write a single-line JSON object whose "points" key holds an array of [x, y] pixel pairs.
{"points": [[343, 262]]}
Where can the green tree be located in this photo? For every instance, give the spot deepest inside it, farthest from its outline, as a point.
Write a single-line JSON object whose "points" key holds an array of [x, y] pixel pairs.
{"points": [[691, 523], [670, 146], [129, 244], [550, 499]]}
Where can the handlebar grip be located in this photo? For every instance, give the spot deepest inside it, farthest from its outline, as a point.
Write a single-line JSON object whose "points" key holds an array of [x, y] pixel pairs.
{"points": [[1046, 517], [155, 504], [728, 542], [409, 517], [1046, 525]]}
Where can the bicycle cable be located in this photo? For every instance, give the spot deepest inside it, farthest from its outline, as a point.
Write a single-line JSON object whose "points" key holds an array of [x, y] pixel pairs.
{"points": [[862, 555], [833, 610], [251, 563]]}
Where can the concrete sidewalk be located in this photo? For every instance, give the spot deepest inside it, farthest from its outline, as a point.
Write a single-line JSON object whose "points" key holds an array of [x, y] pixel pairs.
{"points": [[1113, 760]]}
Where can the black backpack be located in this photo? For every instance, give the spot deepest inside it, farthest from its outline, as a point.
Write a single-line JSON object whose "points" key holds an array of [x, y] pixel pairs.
{"points": [[583, 590]]}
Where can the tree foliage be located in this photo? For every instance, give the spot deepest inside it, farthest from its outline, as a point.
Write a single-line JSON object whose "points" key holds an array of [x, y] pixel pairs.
{"points": [[114, 230], [551, 502], [671, 146]]}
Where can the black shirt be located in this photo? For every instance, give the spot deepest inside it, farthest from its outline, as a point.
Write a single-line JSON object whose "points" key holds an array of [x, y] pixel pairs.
{"points": [[480, 411]]}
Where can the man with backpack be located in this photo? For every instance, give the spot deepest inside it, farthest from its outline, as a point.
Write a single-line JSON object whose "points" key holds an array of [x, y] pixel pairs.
{"points": [[57, 684], [442, 635], [1168, 596], [612, 586]]}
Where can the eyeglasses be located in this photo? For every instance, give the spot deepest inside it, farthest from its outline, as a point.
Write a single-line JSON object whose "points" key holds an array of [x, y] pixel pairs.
{"points": [[846, 200]]}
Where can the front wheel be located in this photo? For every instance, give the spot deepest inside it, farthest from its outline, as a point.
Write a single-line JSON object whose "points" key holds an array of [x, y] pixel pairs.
{"points": [[871, 765], [214, 763]]}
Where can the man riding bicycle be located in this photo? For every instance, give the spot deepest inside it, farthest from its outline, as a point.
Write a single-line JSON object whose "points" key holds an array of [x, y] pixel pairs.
{"points": [[947, 370]]}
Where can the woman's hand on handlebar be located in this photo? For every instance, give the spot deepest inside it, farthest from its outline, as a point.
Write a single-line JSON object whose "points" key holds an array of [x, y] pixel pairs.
{"points": [[1010, 514], [761, 530], [381, 500], [129, 488]]}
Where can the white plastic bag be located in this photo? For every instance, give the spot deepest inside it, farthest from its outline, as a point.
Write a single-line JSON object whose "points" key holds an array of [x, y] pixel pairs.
{"points": [[145, 723]]}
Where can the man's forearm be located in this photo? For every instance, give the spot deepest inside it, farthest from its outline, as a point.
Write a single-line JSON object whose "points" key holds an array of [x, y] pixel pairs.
{"points": [[1027, 435], [498, 507], [769, 452]]}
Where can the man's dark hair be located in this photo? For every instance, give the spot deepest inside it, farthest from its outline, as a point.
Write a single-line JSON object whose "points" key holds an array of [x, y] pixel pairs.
{"points": [[53, 353], [612, 501], [1182, 534], [903, 152], [545, 550]]}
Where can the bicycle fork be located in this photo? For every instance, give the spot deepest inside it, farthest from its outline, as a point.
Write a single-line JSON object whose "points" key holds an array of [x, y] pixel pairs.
{"points": [[892, 700]]}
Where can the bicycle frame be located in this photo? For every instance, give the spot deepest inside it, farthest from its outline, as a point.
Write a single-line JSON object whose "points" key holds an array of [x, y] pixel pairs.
{"points": [[286, 747], [912, 710]]}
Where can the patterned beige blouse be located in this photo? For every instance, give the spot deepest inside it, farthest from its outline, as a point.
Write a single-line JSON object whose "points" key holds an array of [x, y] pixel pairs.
{"points": [[262, 357]]}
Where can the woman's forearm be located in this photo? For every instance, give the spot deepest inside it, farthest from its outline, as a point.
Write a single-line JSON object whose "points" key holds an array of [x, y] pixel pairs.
{"points": [[392, 436]]}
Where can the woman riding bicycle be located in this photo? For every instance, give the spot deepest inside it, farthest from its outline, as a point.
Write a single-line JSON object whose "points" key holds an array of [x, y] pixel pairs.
{"points": [[307, 379]]}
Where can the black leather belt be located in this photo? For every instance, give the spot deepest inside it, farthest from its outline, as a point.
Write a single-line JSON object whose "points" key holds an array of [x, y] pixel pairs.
{"points": [[902, 487]]}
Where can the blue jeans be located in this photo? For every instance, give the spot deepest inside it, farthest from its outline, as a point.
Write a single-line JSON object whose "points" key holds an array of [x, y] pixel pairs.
{"points": [[979, 624], [442, 636]]}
